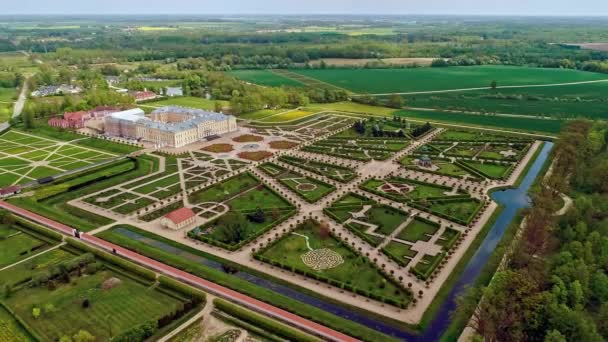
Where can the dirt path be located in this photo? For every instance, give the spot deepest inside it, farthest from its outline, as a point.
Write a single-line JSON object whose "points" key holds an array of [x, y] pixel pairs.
{"points": [[482, 88]]}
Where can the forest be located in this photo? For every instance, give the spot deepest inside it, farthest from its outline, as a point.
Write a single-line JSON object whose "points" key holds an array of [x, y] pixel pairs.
{"points": [[555, 285]]}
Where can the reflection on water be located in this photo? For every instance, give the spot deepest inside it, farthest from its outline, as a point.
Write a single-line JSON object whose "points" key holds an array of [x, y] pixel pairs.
{"points": [[511, 199]]}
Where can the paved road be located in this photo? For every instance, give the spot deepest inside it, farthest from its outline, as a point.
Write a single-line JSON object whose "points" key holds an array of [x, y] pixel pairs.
{"points": [[206, 285], [18, 107]]}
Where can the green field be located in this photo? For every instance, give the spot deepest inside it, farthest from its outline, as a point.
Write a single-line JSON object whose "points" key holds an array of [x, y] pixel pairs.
{"points": [[265, 78], [541, 126], [377, 81], [16, 245], [7, 94], [587, 100]]}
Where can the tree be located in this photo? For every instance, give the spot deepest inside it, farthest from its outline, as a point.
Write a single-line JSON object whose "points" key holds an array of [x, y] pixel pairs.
{"points": [[83, 336], [233, 227], [36, 312], [554, 336], [493, 84], [258, 216], [28, 119], [396, 101]]}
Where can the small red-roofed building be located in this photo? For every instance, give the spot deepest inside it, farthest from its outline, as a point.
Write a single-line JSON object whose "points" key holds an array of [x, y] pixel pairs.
{"points": [[143, 95], [178, 219]]}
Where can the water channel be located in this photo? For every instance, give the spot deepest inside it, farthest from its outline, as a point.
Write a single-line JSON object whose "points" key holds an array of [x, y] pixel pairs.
{"points": [[511, 199]]}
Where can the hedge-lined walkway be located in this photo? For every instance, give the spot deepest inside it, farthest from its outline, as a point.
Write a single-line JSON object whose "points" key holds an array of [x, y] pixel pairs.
{"points": [[206, 285]]}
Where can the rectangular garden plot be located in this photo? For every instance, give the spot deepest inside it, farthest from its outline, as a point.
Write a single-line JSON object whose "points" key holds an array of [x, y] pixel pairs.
{"points": [[367, 219], [435, 165], [402, 189], [459, 210], [247, 209], [401, 253], [312, 251], [308, 188], [335, 172]]}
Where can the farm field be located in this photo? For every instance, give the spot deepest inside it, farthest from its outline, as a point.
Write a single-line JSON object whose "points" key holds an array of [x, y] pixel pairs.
{"points": [[533, 125], [25, 157], [264, 78], [378, 81], [584, 100]]}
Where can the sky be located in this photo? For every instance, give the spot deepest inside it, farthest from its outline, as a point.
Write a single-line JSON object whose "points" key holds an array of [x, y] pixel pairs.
{"points": [[497, 7]]}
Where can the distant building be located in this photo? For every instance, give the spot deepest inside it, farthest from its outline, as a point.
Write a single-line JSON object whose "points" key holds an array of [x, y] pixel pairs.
{"points": [[64, 89], [143, 95], [170, 126], [174, 91], [178, 219], [10, 190], [76, 120]]}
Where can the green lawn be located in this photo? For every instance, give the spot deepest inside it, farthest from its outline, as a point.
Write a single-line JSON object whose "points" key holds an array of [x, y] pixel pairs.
{"points": [[401, 252], [23, 271], [354, 271], [418, 230], [432, 79], [310, 189], [185, 101], [588, 100], [111, 311], [491, 170], [265, 78], [17, 245], [387, 218], [462, 209], [335, 172], [219, 192], [351, 107]]}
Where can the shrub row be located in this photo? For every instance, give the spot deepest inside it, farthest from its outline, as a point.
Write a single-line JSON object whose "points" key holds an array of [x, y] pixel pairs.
{"points": [[184, 288], [84, 178], [38, 229], [263, 322], [137, 333], [113, 259], [293, 162], [425, 275]]}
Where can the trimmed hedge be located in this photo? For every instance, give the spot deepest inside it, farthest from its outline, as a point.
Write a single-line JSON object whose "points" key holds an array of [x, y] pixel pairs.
{"points": [[114, 259], [262, 321], [432, 267], [38, 229], [182, 288]]}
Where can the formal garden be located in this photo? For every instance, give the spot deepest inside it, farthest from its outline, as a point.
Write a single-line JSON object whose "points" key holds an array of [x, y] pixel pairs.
{"points": [[25, 157], [253, 208], [312, 250], [310, 189], [403, 190], [338, 173]]}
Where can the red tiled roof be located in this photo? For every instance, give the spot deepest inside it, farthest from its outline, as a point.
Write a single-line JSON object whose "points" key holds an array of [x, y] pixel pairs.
{"points": [[75, 115], [10, 189], [180, 215]]}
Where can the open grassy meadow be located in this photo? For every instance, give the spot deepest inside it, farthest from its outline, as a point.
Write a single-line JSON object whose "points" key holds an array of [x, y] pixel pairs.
{"points": [[264, 78]]}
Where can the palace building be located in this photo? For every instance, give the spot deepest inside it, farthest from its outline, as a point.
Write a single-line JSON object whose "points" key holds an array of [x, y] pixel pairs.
{"points": [[170, 126]]}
